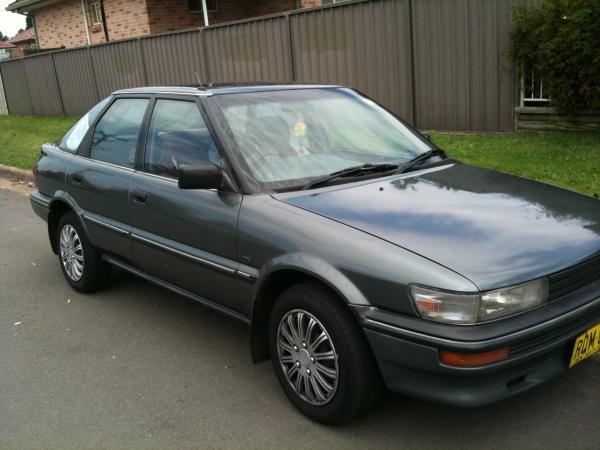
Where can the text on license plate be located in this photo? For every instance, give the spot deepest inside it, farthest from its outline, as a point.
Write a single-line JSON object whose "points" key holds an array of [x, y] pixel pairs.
{"points": [[586, 344]]}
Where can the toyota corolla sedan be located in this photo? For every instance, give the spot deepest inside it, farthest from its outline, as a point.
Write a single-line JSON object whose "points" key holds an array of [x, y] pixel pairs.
{"points": [[359, 254]]}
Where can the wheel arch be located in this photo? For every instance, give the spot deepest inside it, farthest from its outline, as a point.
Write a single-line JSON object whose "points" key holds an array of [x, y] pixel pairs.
{"points": [[280, 278], [60, 204]]}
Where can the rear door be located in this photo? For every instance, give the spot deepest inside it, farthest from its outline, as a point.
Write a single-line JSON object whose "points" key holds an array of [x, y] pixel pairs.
{"points": [[185, 237], [99, 179]]}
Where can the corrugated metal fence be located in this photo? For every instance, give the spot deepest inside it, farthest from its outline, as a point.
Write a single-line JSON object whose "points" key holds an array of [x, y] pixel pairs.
{"points": [[3, 108], [440, 64]]}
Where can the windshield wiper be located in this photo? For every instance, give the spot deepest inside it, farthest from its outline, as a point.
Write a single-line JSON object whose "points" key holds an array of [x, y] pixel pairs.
{"points": [[374, 168], [350, 171], [419, 159]]}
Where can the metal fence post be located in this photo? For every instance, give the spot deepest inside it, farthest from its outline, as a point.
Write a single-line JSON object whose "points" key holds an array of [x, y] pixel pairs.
{"points": [[28, 83], [207, 79], [291, 47], [95, 78], [60, 94], [3, 102], [411, 20], [143, 61]]}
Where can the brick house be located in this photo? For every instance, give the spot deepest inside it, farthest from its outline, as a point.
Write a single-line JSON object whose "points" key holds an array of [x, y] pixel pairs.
{"points": [[18, 45], [6, 49], [75, 23]]}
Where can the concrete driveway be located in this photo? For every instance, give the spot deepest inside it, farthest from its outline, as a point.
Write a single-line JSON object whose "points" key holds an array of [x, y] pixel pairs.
{"points": [[136, 366]]}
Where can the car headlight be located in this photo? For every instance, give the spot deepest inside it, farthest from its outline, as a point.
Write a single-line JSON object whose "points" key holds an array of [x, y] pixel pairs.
{"points": [[470, 309]]}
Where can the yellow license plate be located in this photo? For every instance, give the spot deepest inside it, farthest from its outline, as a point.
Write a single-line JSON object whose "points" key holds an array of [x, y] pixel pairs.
{"points": [[586, 345]]}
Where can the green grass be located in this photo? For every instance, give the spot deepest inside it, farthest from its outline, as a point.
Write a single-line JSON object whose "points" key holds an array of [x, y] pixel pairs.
{"points": [[22, 136], [567, 159]]}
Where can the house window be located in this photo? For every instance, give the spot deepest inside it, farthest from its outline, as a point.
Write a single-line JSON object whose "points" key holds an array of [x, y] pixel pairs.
{"points": [[196, 5], [4, 54], [96, 14]]}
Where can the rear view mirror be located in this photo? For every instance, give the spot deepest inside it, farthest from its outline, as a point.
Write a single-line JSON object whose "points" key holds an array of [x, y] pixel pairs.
{"points": [[206, 176]]}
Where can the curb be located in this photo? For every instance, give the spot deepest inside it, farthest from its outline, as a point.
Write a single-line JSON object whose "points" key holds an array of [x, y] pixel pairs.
{"points": [[12, 173]]}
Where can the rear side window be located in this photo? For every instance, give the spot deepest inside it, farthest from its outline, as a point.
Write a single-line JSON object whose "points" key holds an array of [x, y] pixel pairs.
{"points": [[117, 132], [71, 141], [177, 136]]}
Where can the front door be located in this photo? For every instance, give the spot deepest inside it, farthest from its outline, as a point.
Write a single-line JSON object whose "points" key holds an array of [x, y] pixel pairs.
{"points": [[99, 180], [185, 237]]}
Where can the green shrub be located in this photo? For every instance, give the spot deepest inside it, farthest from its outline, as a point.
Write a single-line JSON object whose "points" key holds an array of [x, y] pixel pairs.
{"points": [[560, 39]]}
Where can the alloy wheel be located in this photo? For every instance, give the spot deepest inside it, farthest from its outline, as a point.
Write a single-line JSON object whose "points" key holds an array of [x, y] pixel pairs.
{"points": [[71, 252], [308, 357]]}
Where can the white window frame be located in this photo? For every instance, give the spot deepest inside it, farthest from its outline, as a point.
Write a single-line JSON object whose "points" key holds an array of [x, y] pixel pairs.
{"points": [[95, 11], [532, 90]]}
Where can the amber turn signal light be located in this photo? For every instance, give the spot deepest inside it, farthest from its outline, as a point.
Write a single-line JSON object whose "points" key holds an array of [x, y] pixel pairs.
{"points": [[473, 359]]}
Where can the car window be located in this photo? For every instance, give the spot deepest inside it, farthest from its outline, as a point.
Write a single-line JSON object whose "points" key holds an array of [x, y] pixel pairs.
{"points": [[117, 132], [71, 141], [178, 135]]}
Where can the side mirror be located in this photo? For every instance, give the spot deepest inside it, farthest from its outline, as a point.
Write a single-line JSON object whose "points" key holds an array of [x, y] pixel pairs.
{"points": [[206, 176]]}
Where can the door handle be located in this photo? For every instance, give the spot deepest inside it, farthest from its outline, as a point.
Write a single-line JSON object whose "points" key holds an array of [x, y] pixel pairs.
{"points": [[77, 178], [139, 197]]}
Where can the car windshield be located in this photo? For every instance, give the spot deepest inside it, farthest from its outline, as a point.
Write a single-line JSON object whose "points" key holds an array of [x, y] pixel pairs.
{"points": [[283, 139]]}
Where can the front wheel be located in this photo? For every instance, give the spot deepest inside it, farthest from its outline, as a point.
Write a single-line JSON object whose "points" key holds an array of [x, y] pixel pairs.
{"points": [[321, 356], [80, 262]]}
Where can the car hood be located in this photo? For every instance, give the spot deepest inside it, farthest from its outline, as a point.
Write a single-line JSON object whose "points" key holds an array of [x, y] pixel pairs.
{"points": [[493, 228]]}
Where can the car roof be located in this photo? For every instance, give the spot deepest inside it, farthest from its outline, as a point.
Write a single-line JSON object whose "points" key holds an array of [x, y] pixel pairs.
{"points": [[215, 89]]}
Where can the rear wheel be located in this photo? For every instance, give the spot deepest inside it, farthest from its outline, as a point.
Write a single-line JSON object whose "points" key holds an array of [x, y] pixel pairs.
{"points": [[320, 355], [80, 262]]}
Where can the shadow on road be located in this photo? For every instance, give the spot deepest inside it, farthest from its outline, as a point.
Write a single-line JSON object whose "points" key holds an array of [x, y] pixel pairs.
{"points": [[542, 412]]}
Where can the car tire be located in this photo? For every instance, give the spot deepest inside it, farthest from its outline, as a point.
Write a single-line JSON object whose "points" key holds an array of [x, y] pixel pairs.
{"points": [[331, 390], [80, 262]]}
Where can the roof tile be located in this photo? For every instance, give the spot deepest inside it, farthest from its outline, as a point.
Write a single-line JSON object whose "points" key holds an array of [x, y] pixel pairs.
{"points": [[27, 35]]}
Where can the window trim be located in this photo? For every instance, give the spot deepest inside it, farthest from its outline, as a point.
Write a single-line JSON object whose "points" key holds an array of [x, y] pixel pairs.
{"points": [[95, 6], [60, 144], [141, 166], [228, 170], [86, 146]]}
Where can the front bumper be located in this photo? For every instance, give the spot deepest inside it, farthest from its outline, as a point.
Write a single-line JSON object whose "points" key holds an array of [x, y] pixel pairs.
{"points": [[540, 343]]}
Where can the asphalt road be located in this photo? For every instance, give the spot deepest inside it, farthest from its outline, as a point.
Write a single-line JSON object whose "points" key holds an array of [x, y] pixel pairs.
{"points": [[136, 366]]}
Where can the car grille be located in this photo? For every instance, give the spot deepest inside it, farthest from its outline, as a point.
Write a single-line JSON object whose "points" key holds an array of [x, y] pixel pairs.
{"points": [[555, 334], [573, 278]]}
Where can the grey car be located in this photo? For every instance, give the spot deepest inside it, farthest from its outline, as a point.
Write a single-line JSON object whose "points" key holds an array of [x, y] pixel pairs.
{"points": [[359, 254]]}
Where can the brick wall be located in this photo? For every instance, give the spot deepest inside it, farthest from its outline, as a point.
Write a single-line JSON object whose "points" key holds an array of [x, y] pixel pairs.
{"points": [[126, 18], [61, 24], [20, 48], [264, 7], [309, 3], [170, 15], [17, 52]]}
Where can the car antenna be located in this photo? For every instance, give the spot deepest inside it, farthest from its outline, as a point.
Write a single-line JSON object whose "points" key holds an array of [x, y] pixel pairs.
{"points": [[199, 81]]}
